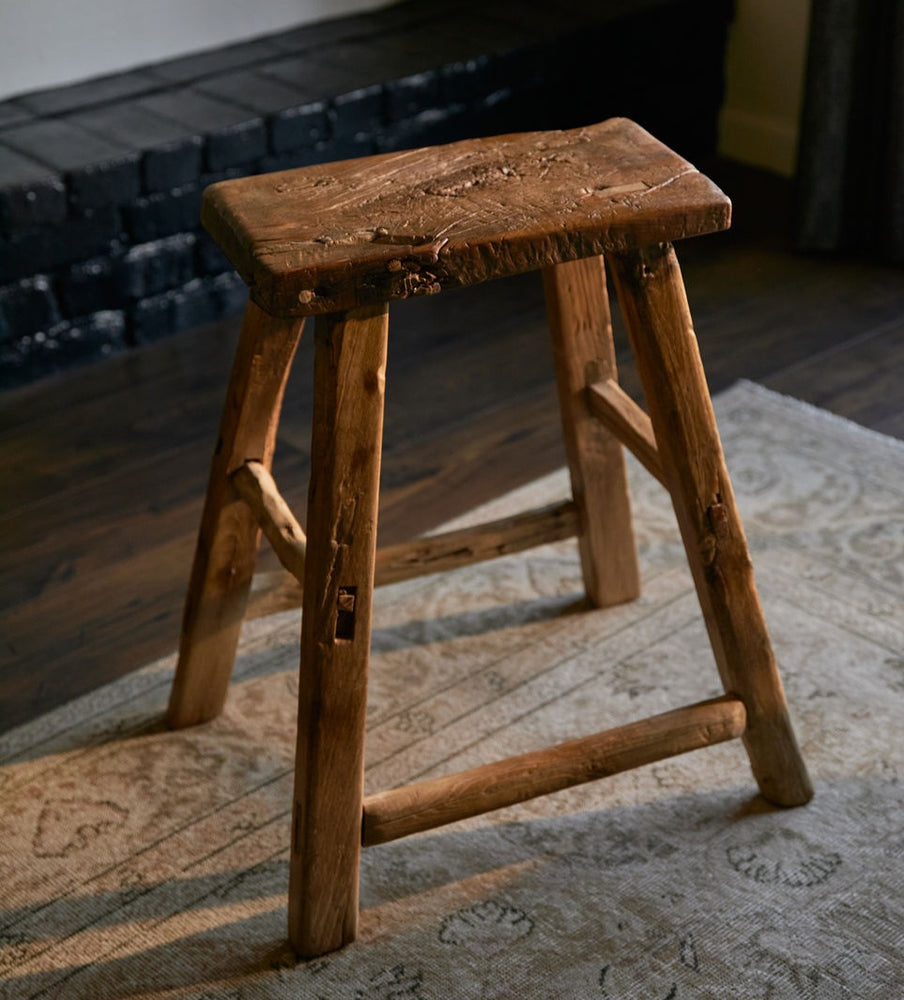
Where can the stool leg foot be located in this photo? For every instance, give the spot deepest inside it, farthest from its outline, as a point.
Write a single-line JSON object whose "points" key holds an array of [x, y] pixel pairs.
{"points": [[346, 441], [229, 534], [584, 352], [654, 304]]}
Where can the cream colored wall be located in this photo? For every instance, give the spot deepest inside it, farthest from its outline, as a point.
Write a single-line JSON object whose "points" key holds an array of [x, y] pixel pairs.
{"points": [[44, 43], [765, 72]]}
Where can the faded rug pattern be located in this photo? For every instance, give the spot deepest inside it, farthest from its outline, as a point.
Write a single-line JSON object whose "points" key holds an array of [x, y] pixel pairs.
{"points": [[136, 862]]}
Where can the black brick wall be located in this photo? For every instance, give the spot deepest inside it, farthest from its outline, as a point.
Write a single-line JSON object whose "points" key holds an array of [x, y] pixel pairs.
{"points": [[100, 183]]}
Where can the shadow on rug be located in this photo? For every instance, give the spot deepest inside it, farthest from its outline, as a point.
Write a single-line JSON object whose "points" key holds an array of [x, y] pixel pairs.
{"points": [[136, 862]]}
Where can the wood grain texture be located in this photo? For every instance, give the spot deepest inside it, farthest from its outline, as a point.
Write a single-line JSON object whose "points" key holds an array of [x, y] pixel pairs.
{"points": [[439, 553], [863, 379], [615, 409], [577, 305], [466, 546], [427, 804], [349, 376], [652, 296], [229, 533], [323, 238], [255, 485], [99, 516]]}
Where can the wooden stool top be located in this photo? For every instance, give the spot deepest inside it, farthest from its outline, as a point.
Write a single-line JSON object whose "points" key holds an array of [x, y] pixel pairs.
{"points": [[341, 235]]}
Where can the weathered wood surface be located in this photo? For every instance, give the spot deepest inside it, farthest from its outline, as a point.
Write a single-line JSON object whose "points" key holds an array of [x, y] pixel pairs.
{"points": [[272, 592], [580, 325], [349, 376], [466, 546], [323, 238], [99, 518], [427, 804], [654, 304], [229, 533], [257, 488], [615, 409]]}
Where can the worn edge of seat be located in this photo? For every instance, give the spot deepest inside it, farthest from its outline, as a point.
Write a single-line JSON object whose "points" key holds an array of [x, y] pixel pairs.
{"points": [[394, 271]]}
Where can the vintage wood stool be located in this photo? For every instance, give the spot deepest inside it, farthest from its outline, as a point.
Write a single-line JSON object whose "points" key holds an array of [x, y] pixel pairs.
{"points": [[340, 241]]}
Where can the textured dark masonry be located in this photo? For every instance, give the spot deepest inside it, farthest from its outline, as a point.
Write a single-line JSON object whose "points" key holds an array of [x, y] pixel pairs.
{"points": [[100, 183]]}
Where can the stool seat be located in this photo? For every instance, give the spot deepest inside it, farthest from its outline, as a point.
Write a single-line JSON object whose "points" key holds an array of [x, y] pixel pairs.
{"points": [[342, 240], [323, 238]]}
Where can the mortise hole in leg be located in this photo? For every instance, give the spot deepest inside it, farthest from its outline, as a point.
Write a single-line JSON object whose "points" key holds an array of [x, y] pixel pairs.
{"points": [[345, 613]]}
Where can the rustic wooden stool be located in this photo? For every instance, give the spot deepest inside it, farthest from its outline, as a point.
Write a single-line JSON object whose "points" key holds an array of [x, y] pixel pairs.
{"points": [[340, 241]]}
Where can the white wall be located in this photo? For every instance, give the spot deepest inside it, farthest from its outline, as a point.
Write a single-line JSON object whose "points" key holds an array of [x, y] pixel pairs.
{"points": [[767, 52], [44, 43]]}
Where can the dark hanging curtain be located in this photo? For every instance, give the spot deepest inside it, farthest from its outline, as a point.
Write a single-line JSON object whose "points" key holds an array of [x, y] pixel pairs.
{"points": [[851, 160]]}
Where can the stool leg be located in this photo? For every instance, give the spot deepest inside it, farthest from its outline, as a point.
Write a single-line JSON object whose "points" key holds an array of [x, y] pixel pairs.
{"points": [[229, 534], [654, 304], [584, 352], [349, 368]]}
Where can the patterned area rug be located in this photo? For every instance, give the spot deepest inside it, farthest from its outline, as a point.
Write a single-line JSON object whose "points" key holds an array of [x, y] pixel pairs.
{"points": [[135, 862]]}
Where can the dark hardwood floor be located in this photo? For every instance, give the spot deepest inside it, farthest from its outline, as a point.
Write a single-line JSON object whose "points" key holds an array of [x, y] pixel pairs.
{"points": [[103, 469]]}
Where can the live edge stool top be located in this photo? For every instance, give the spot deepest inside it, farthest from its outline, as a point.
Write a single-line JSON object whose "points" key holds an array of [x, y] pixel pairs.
{"points": [[337, 236]]}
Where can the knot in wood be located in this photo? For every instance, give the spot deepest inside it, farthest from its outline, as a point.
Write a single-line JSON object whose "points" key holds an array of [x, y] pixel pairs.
{"points": [[713, 530], [717, 516], [709, 549], [372, 382], [476, 175]]}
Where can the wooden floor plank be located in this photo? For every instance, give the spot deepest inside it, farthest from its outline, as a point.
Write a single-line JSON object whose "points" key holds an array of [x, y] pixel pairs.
{"points": [[862, 379]]}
